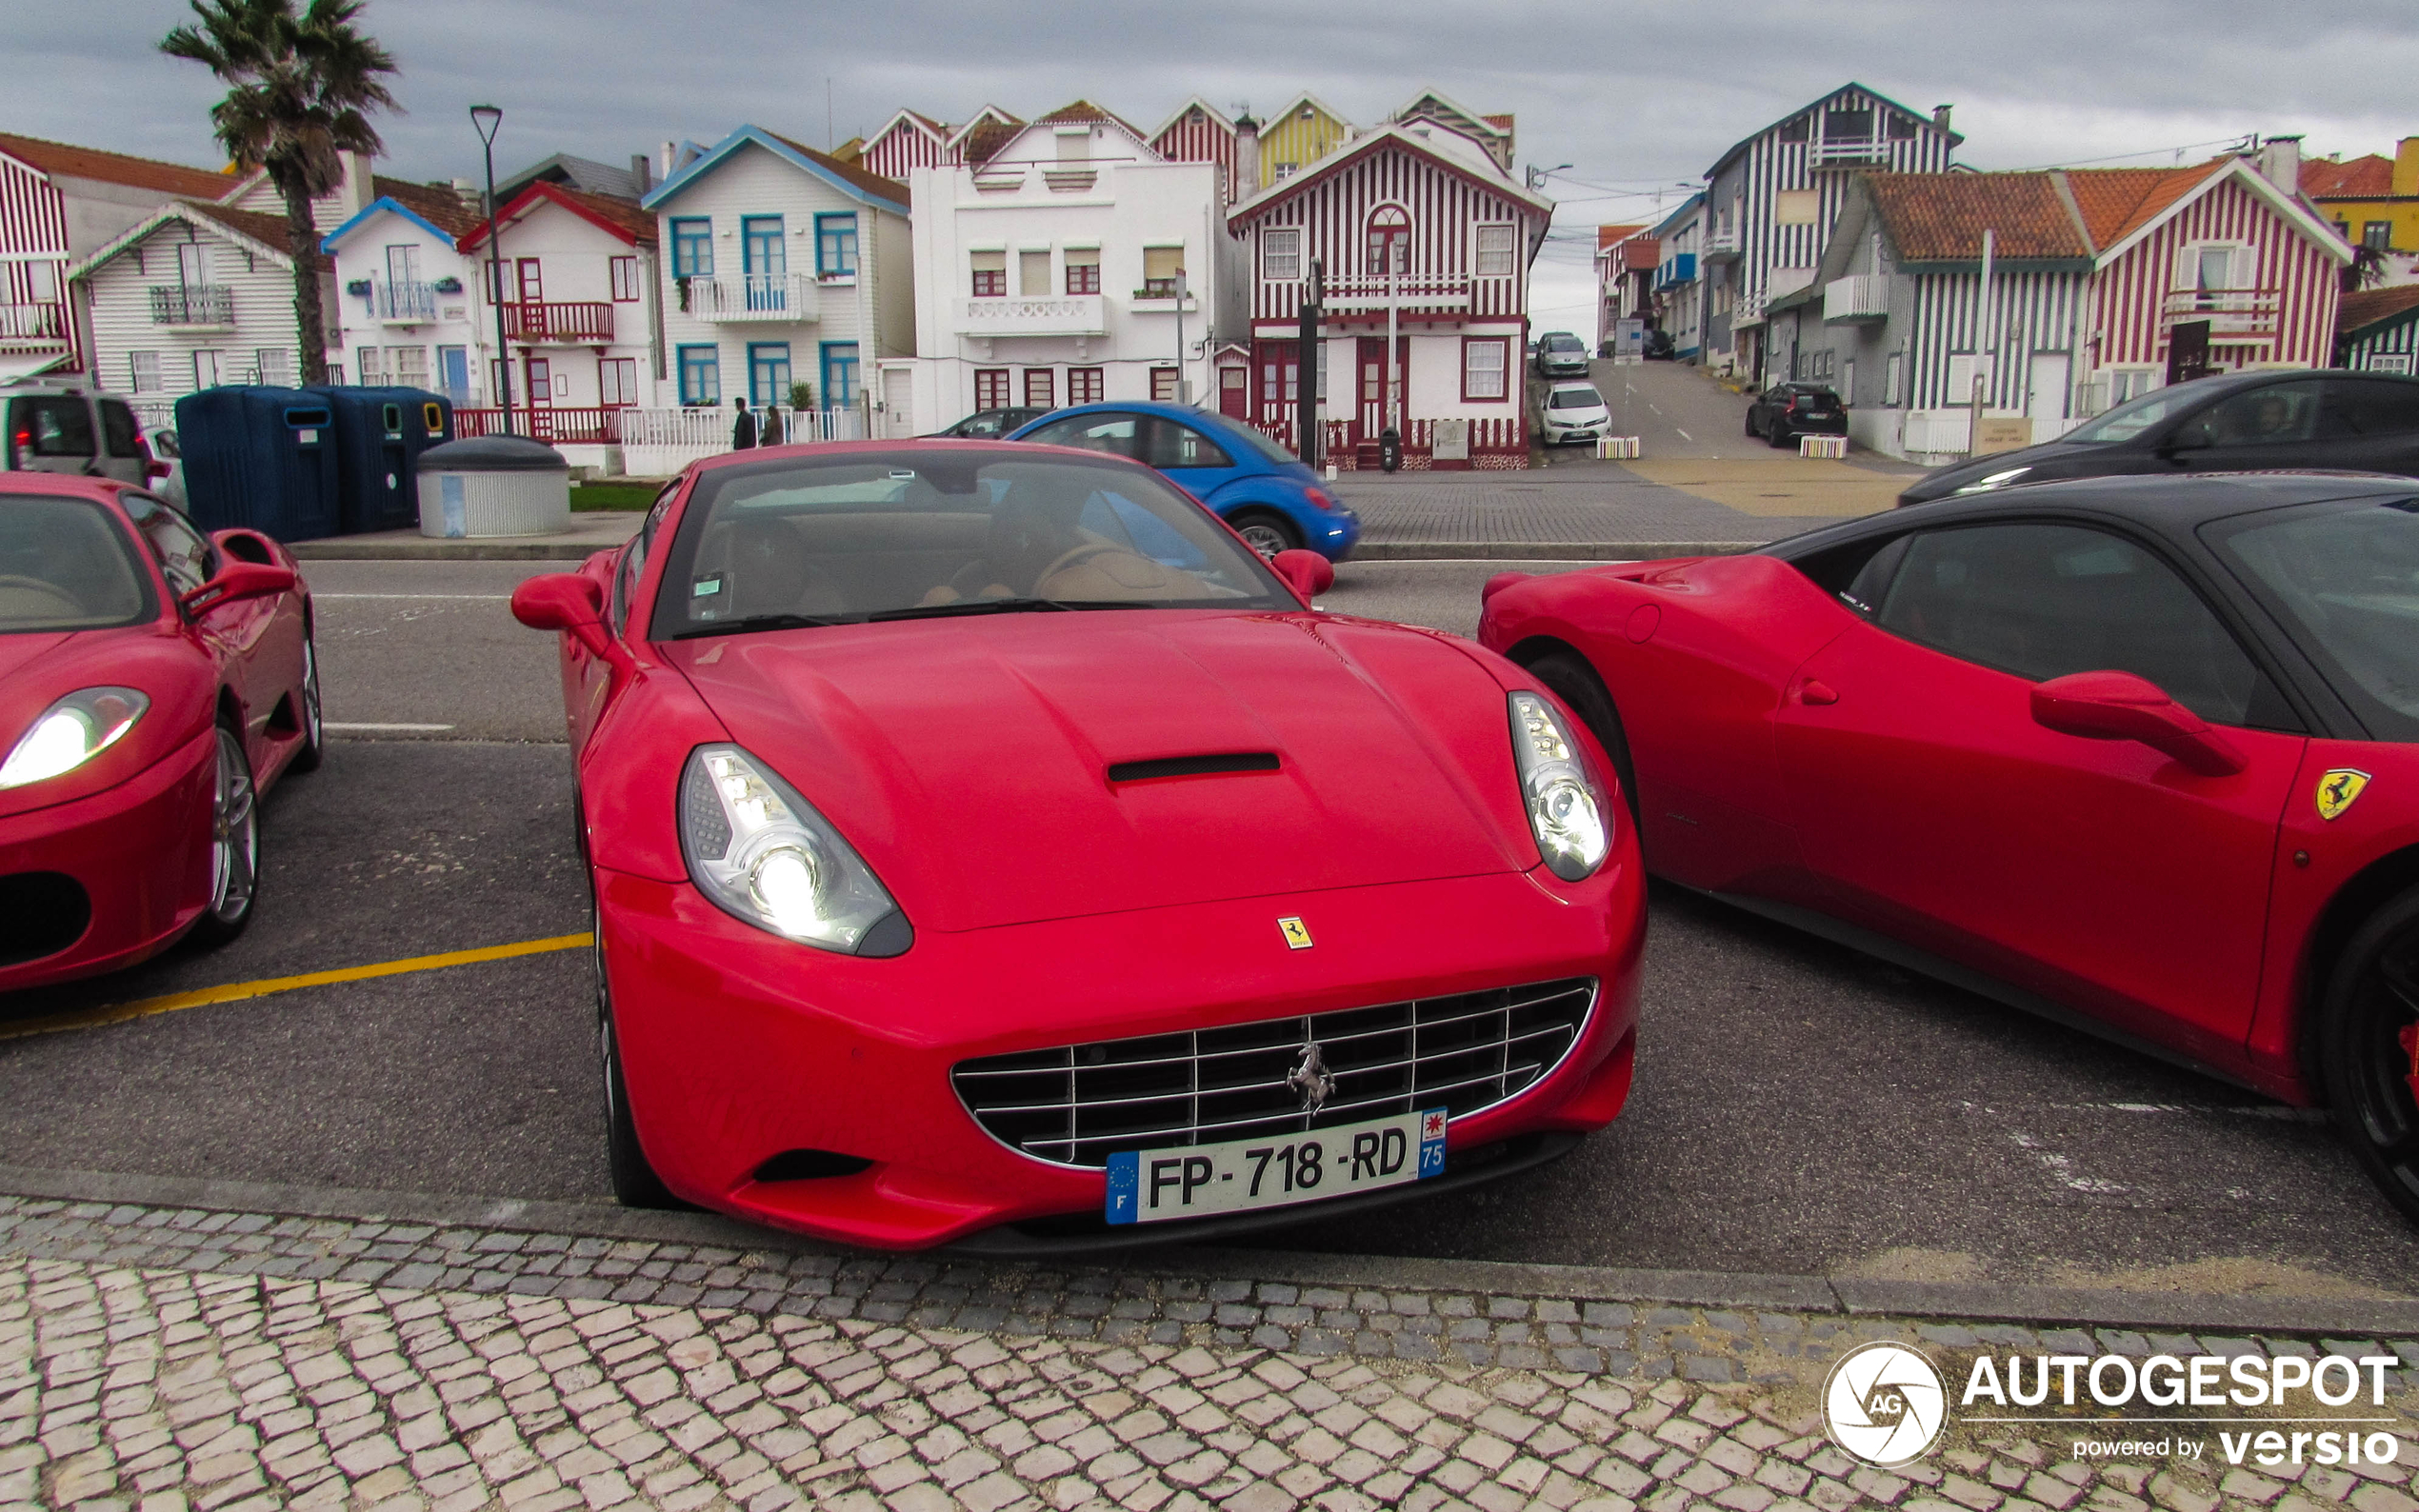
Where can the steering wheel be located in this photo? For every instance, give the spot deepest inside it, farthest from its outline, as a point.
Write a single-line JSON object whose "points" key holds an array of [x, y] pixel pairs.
{"points": [[49, 591], [1076, 557]]}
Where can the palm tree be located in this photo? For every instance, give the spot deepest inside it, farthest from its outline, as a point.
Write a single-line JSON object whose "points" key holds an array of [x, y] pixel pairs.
{"points": [[301, 85]]}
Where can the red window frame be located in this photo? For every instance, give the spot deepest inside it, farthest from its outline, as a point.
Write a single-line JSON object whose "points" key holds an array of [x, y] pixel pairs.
{"points": [[1163, 385], [1040, 383], [992, 389], [1087, 386], [1503, 342], [625, 274], [1083, 278], [990, 283], [1389, 227]]}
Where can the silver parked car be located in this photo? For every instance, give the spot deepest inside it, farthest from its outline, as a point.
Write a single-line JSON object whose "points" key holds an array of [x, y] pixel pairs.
{"points": [[60, 425]]}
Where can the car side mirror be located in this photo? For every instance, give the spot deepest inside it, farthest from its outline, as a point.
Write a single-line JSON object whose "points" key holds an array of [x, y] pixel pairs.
{"points": [[238, 580], [2119, 706], [245, 545], [2185, 438], [565, 602], [1307, 572]]}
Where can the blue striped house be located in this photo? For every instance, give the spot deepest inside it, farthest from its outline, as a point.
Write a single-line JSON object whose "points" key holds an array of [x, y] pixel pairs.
{"points": [[2377, 329]]}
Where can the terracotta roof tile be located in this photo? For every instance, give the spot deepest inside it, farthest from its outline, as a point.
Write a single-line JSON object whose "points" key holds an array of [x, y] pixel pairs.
{"points": [[268, 229], [2369, 306], [889, 188], [1501, 121], [2326, 177], [622, 212], [441, 208], [985, 141], [2116, 202], [116, 168], [1940, 217], [1082, 110], [1611, 235]]}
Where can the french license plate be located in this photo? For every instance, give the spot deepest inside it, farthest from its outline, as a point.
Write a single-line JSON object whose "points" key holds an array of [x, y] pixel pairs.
{"points": [[1197, 1180]]}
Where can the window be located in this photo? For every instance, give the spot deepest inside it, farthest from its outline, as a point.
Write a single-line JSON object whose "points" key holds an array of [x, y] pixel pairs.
{"points": [[1493, 258], [694, 248], [623, 271], [2379, 234], [1040, 383], [540, 380], [276, 366], [2387, 362], [2273, 415], [367, 364], [762, 253], [839, 374], [118, 429], [409, 365], [402, 264], [1796, 130], [1891, 367], [206, 365], [1486, 368], [496, 294], [1083, 271], [1390, 240], [1180, 446], [144, 372], [56, 428], [2215, 267], [1797, 207], [1902, 128], [1848, 126], [1087, 386], [2355, 407], [1119, 435], [2341, 575], [185, 555], [836, 245], [1033, 274], [990, 276], [700, 375], [1163, 383], [767, 373], [991, 389], [1162, 273], [1281, 255], [616, 381], [192, 264], [2042, 600]]}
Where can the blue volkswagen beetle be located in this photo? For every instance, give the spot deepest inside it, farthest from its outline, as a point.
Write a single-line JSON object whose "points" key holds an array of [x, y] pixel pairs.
{"points": [[1262, 490]]}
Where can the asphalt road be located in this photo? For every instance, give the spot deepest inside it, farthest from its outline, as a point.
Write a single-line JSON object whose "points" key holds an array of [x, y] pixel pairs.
{"points": [[1798, 1107]]}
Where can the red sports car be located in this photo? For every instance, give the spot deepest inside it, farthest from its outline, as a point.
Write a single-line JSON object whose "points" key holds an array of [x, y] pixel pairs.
{"points": [[988, 846], [153, 682], [2132, 753]]}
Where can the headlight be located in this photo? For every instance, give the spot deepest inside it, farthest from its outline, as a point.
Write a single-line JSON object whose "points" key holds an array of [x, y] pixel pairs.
{"points": [[1566, 811], [70, 733], [764, 855], [1997, 480]]}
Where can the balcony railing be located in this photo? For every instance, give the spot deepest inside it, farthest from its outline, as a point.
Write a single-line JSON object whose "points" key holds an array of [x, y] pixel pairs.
{"points": [[1050, 315], [1854, 151], [196, 305], [1410, 290], [1721, 243], [2230, 312], [534, 322], [33, 325], [404, 303], [1859, 296], [1680, 268], [756, 296]]}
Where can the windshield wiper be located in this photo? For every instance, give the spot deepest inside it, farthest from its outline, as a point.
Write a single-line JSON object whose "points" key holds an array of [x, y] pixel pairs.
{"points": [[1002, 606], [760, 622]]}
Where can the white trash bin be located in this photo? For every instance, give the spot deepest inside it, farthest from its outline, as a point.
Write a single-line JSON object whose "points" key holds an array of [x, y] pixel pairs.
{"points": [[494, 486]]}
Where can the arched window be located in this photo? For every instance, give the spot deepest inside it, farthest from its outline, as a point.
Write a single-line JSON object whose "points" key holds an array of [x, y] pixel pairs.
{"points": [[1390, 240]]}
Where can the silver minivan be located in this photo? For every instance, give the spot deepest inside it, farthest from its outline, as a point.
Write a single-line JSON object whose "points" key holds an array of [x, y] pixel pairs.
{"points": [[57, 426]]}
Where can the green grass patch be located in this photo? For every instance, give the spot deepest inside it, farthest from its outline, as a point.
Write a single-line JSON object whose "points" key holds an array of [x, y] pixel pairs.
{"points": [[589, 498]]}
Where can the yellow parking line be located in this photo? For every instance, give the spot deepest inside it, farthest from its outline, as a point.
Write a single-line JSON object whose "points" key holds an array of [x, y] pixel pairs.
{"points": [[147, 1008]]}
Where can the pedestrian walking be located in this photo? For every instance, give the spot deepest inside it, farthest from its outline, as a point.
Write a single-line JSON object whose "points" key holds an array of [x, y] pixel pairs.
{"points": [[743, 429]]}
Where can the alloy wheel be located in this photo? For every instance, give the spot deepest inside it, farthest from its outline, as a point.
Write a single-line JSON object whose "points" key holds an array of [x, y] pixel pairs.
{"points": [[1264, 538], [2369, 1049], [235, 832]]}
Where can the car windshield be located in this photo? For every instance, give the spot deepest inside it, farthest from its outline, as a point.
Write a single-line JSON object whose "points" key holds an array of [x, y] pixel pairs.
{"points": [[1563, 344], [2134, 416], [1583, 398], [65, 564], [925, 533], [2346, 576]]}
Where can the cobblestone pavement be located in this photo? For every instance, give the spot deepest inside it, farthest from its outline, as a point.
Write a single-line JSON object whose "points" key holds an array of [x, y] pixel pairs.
{"points": [[167, 1358], [1581, 502]]}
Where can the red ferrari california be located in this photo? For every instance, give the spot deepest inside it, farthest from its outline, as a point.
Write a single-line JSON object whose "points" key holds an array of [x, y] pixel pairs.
{"points": [[2134, 752], [153, 682], [990, 848]]}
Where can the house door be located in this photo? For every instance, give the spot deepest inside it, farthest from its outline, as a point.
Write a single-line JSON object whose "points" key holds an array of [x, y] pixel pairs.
{"points": [[1370, 414], [2045, 396], [767, 373], [1234, 400], [2187, 351], [453, 372], [532, 285], [898, 402], [537, 381], [1279, 365]]}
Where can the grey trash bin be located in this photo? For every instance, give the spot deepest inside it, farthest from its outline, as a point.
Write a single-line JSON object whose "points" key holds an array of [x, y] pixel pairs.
{"points": [[494, 486]]}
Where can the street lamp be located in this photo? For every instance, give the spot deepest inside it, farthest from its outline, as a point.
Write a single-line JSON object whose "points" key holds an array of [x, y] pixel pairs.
{"points": [[1537, 176], [487, 118]]}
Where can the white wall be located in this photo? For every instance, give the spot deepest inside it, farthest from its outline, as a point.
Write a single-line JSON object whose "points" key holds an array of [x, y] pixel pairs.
{"points": [[574, 257], [353, 322], [261, 287]]}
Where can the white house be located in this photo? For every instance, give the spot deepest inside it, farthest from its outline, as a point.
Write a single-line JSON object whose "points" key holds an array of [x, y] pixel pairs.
{"points": [[1048, 273], [405, 304], [781, 266]]}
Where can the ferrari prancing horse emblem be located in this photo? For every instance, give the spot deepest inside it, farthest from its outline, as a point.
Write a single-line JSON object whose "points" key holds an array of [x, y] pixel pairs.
{"points": [[1298, 934], [2337, 789]]}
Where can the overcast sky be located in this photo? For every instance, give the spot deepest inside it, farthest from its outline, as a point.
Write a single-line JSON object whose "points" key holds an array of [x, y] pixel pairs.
{"points": [[1636, 94]]}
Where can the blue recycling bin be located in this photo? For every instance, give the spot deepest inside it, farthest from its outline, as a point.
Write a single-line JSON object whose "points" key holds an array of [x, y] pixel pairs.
{"points": [[380, 434], [260, 457]]}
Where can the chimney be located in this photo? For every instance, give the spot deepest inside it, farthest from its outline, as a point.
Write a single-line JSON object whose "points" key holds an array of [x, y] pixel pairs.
{"points": [[1940, 115], [640, 165], [1247, 157], [2280, 163], [2406, 167], [358, 187], [663, 161]]}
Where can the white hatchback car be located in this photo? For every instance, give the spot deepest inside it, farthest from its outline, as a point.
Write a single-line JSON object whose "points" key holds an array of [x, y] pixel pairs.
{"points": [[1575, 412]]}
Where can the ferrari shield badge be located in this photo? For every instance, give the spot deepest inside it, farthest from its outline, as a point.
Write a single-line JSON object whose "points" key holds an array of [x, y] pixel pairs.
{"points": [[1298, 934], [2337, 789]]}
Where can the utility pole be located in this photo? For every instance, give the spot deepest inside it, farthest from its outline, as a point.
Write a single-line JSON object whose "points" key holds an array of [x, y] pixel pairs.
{"points": [[1182, 385], [487, 118], [1983, 355], [1306, 407]]}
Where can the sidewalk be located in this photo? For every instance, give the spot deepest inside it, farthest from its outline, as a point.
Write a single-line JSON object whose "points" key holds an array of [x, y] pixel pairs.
{"points": [[177, 1357]]}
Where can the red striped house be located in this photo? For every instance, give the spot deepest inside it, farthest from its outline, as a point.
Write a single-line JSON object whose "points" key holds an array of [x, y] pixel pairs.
{"points": [[1416, 222], [1197, 132], [906, 141]]}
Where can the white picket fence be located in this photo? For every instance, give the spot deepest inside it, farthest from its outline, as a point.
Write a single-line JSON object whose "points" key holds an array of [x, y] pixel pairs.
{"points": [[658, 443]]}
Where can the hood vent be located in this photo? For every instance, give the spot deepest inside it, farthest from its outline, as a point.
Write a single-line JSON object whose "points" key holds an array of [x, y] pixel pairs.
{"points": [[1250, 760]]}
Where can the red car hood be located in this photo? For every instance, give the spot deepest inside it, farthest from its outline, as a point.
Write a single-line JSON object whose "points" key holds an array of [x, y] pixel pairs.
{"points": [[18, 652], [966, 760]]}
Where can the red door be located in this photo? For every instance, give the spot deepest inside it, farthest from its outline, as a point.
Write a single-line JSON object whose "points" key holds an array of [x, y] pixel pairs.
{"points": [[1234, 395], [1370, 416], [532, 285], [1936, 809]]}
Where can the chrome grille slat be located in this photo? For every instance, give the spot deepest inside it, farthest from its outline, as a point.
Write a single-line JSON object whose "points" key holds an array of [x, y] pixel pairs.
{"points": [[1075, 1105]]}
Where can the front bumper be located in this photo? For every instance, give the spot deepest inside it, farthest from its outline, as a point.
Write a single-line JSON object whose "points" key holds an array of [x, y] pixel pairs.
{"points": [[738, 1046], [1593, 430], [140, 853], [1332, 533]]}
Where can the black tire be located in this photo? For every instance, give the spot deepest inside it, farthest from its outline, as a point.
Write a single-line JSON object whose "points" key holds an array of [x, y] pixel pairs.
{"points": [[2369, 1048], [636, 1183], [235, 831], [1267, 531], [314, 726], [1751, 423], [1780, 436], [1571, 679]]}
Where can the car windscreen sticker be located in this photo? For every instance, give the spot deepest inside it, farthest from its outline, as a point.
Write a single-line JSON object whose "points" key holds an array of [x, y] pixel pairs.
{"points": [[706, 588]]}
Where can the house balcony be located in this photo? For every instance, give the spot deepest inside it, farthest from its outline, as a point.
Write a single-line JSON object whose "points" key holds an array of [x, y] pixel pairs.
{"points": [[1420, 292], [193, 307], [788, 298], [2233, 314], [403, 304], [33, 327], [1859, 297], [1850, 152], [580, 323], [1721, 246], [1047, 315], [1680, 268]]}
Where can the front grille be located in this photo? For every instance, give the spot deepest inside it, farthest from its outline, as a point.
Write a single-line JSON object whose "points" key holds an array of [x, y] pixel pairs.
{"points": [[1078, 1103]]}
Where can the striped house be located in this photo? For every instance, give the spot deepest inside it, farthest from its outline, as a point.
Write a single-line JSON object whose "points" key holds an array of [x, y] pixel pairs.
{"points": [[2377, 329], [1197, 132], [1773, 198], [909, 141], [1288, 141], [2101, 284], [1414, 219]]}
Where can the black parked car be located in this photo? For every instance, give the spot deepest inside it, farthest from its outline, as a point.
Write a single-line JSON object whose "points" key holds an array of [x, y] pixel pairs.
{"points": [[988, 425], [1786, 411], [2249, 422], [1659, 347]]}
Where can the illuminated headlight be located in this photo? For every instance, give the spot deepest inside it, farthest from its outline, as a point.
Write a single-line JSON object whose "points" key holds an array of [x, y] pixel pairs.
{"points": [[1566, 808], [764, 855], [1996, 479], [70, 733]]}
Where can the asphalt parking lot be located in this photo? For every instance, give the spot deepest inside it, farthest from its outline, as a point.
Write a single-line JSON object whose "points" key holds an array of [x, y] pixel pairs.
{"points": [[1798, 1108]]}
